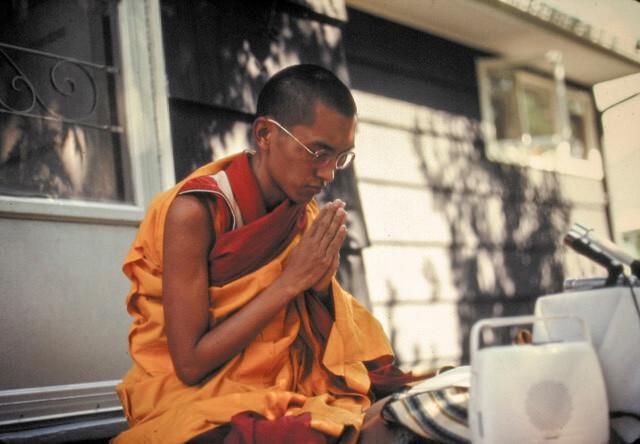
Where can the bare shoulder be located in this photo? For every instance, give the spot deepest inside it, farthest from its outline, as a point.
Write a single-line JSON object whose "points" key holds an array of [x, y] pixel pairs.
{"points": [[188, 220], [185, 208]]}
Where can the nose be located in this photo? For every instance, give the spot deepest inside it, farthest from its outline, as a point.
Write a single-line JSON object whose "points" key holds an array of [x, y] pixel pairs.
{"points": [[327, 172]]}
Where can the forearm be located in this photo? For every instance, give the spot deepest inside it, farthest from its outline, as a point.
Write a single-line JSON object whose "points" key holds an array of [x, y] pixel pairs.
{"points": [[198, 348], [228, 338]]}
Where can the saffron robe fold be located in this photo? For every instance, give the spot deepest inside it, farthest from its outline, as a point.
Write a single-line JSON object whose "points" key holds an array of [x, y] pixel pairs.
{"points": [[286, 359]]}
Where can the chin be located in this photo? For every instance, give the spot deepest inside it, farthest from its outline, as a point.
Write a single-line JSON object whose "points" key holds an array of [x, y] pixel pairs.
{"points": [[301, 200], [302, 197]]}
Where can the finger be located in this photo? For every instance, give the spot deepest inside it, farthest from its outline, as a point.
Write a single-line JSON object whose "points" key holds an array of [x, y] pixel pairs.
{"points": [[325, 280], [338, 239], [326, 223], [313, 229], [336, 261], [298, 399], [335, 264], [336, 225], [322, 222], [337, 221]]}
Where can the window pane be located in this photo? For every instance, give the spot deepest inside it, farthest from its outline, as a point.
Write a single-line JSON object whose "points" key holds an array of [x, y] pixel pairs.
{"points": [[60, 130], [504, 104], [539, 112], [578, 124]]}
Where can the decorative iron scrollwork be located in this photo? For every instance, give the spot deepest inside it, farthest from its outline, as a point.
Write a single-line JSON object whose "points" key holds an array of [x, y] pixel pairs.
{"points": [[16, 82], [64, 77], [70, 83]]}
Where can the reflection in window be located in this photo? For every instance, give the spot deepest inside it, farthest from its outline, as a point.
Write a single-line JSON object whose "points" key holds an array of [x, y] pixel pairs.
{"points": [[532, 118], [524, 108], [539, 114], [60, 130], [503, 103], [578, 118]]}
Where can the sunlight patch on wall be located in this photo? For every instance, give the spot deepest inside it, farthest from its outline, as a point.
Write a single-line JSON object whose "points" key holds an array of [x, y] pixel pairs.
{"points": [[423, 335], [402, 214], [421, 275]]}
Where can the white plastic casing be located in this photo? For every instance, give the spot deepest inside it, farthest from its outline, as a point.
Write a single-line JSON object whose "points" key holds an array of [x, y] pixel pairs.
{"points": [[546, 393]]}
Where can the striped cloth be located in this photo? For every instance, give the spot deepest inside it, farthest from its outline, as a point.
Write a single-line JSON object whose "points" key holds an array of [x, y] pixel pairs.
{"points": [[435, 409]]}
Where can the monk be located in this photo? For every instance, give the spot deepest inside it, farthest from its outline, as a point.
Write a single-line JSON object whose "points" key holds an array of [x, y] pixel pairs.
{"points": [[241, 333]]}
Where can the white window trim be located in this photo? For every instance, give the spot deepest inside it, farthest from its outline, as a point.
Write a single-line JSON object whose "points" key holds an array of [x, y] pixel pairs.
{"points": [[593, 162], [514, 151], [34, 404], [147, 123]]}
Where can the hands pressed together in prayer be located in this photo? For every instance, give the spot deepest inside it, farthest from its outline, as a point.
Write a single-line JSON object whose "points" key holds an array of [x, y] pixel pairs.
{"points": [[254, 338], [200, 344], [315, 260]]}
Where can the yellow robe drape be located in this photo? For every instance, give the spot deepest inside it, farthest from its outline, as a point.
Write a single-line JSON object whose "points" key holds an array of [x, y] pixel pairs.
{"points": [[265, 377]]}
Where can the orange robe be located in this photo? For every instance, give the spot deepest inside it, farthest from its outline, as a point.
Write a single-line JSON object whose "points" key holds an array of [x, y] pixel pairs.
{"points": [[286, 358]]}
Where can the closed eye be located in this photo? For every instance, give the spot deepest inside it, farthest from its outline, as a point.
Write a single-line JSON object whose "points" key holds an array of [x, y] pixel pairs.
{"points": [[323, 155]]}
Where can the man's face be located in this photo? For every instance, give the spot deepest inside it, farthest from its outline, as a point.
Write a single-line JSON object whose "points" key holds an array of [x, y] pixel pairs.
{"points": [[293, 170]]}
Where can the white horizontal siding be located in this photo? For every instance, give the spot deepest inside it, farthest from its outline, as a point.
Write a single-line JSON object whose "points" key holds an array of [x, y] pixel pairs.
{"points": [[408, 274], [443, 220], [401, 214], [423, 333]]}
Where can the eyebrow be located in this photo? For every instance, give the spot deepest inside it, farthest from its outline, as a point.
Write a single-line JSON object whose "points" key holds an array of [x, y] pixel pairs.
{"points": [[325, 146]]}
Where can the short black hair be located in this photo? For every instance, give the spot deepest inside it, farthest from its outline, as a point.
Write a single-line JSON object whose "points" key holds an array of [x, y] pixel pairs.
{"points": [[289, 95]]}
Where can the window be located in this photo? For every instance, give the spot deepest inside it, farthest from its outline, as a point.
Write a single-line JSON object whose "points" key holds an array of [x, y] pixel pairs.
{"points": [[61, 130], [581, 119], [530, 117]]}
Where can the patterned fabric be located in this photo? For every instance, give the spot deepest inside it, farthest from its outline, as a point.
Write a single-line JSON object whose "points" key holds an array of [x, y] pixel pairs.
{"points": [[439, 414]]}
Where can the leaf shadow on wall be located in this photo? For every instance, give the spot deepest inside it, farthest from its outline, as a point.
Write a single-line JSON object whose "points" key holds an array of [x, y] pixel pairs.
{"points": [[505, 228]]}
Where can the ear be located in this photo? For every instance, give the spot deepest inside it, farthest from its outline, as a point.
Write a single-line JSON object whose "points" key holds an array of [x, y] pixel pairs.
{"points": [[261, 133]]}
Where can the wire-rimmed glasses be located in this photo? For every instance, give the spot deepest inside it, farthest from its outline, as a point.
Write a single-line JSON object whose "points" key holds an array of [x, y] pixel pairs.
{"points": [[321, 157]]}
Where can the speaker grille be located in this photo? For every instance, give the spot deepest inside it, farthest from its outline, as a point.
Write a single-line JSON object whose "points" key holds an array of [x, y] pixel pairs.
{"points": [[549, 406]]}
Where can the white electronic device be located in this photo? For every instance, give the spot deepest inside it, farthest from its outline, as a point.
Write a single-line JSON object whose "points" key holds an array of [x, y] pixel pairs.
{"points": [[614, 327], [550, 392]]}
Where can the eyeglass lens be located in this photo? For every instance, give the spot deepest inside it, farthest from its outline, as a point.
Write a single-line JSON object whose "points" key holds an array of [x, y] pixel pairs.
{"points": [[342, 161], [322, 157]]}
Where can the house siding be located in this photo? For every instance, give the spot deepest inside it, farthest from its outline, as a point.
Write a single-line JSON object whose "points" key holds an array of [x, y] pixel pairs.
{"points": [[454, 237]]}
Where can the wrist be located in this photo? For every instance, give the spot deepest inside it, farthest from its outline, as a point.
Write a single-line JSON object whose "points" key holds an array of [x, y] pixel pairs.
{"points": [[287, 289]]}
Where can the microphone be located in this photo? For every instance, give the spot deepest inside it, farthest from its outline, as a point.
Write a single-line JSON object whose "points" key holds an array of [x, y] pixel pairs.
{"points": [[601, 251]]}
